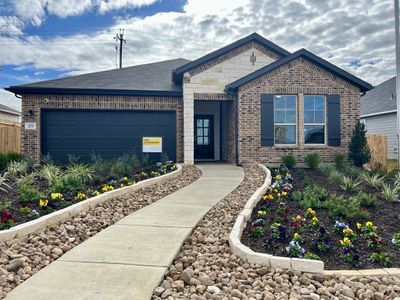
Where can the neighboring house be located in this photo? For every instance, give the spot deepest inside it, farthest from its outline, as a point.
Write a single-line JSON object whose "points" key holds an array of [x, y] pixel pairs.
{"points": [[250, 101], [378, 113], [9, 114]]}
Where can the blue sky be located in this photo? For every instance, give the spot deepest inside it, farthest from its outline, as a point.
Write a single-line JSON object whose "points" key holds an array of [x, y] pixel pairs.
{"points": [[46, 39]]}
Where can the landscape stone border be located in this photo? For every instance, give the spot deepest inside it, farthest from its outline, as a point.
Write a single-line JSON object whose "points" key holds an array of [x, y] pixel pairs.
{"points": [[268, 260], [21, 231]]}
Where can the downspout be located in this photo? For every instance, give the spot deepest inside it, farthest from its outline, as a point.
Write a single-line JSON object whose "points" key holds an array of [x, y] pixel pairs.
{"points": [[234, 94]]}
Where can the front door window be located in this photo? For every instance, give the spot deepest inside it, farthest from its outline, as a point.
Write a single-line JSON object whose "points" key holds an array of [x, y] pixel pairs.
{"points": [[204, 137]]}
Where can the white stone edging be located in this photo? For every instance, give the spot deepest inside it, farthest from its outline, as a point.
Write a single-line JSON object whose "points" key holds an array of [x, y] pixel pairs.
{"points": [[268, 260], [245, 253], [21, 231]]}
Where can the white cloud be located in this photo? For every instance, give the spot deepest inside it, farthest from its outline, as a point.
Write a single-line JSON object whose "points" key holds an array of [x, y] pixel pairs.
{"points": [[340, 31], [107, 5]]}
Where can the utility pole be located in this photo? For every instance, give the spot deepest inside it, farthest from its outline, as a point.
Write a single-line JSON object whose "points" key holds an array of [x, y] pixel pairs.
{"points": [[396, 21], [120, 37]]}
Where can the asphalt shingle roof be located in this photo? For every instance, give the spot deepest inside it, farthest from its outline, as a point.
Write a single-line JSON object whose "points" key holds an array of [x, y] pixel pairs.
{"points": [[380, 99], [9, 110], [154, 77]]}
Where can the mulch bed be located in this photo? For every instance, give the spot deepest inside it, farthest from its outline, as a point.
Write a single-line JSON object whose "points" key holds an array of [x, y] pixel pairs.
{"points": [[385, 216]]}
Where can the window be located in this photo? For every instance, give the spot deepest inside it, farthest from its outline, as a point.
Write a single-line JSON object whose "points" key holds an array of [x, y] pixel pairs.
{"points": [[314, 119], [285, 119]]}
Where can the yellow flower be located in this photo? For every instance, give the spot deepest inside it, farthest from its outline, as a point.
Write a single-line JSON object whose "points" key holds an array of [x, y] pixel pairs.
{"points": [[347, 231], [43, 202], [346, 242], [107, 188], [296, 235], [359, 225], [369, 224], [284, 193], [310, 211], [262, 213], [96, 193], [80, 197], [122, 185], [56, 196], [314, 220], [298, 218], [125, 178]]}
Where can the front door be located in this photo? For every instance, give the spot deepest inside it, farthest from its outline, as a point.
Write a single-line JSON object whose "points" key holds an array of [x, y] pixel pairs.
{"points": [[204, 137]]}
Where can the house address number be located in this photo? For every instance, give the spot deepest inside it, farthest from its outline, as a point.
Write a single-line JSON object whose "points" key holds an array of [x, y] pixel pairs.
{"points": [[30, 126]]}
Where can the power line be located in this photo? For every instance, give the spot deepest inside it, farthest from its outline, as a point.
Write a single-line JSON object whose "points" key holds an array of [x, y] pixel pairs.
{"points": [[120, 37]]}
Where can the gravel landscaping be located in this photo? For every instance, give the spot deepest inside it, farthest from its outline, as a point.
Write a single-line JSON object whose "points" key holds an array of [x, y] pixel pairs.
{"points": [[21, 260], [205, 268]]}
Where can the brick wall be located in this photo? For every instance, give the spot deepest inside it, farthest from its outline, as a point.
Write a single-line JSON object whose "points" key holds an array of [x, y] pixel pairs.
{"points": [[30, 139], [300, 77]]}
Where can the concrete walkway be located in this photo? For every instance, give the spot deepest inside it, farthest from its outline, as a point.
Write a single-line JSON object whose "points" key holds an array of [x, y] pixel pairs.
{"points": [[128, 259]]}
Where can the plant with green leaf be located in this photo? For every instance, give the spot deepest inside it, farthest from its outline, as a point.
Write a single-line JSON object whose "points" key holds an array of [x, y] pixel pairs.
{"points": [[340, 161], [381, 258], [312, 160], [311, 255], [359, 152], [289, 161], [374, 180], [349, 184], [390, 193], [367, 200], [18, 168], [51, 173], [4, 183]]}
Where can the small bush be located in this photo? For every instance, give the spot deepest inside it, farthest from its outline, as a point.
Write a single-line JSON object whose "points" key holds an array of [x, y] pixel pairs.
{"points": [[121, 167], [340, 161], [50, 173], [29, 194], [367, 200], [6, 158], [289, 161], [311, 196], [18, 168], [312, 160], [359, 152], [339, 207], [4, 183], [389, 193], [374, 181], [349, 184]]}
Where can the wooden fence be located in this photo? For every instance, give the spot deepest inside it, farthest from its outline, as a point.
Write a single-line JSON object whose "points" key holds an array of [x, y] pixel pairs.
{"points": [[10, 136], [378, 146]]}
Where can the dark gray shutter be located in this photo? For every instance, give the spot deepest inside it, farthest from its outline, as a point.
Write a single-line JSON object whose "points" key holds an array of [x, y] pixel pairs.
{"points": [[334, 120], [267, 120]]}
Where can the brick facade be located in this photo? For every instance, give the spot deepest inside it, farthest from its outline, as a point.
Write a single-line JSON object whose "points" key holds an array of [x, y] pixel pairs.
{"points": [[299, 77], [30, 139]]}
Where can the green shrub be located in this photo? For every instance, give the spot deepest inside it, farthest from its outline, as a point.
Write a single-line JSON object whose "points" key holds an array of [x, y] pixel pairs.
{"points": [[50, 173], [289, 161], [73, 180], [332, 174], [359, 152], [310, 255], [374, 181], [312, 160], [29, 194], [390, 193], [340, 161], [349, 184], [18, 168], [350, 208], [6, 158], [353, 171], [367, 200], [311, 196], [121, 167], [4, 183]]}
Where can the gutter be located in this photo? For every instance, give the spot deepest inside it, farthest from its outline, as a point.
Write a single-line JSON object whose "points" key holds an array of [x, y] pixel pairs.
{"points": [[379, 113]]}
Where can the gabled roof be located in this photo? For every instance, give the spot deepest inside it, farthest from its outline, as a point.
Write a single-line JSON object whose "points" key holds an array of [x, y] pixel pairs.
{"points": [[9, 110], [177, 74], [364, 86], [381, 98], [147, 79]]}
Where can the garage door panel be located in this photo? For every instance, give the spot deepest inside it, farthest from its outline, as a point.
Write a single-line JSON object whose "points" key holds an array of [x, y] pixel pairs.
{"points": [[109, 133]]}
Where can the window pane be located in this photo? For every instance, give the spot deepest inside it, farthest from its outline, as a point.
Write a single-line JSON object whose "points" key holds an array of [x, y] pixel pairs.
{"points": [[199, 131], [279, 102], [285, 134], [291, 116], [319, 116], [319, 102], [205, 140], [199, 122], [308, 116], [199, 140], [206, 123], [308, 102], [206, 131], [314, 134], [290, 102], [279, 116]]}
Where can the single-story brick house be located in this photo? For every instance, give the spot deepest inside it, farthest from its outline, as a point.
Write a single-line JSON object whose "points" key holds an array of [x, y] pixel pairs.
{"points": [[250, 101]]}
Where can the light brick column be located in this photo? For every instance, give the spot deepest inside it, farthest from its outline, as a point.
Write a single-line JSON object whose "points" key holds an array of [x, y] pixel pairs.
{"points": [[188, 122]]}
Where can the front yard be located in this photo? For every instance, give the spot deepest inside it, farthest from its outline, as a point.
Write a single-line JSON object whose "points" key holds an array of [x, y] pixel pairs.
{"points": [[341, 215], [28, 192]]}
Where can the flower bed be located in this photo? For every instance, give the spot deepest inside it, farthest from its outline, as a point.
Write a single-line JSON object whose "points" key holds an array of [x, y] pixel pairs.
{"points": [[306, 214], [27, 193]]}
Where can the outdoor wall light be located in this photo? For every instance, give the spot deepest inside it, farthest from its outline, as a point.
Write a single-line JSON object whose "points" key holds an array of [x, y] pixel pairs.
{"points": [[30, 112]]}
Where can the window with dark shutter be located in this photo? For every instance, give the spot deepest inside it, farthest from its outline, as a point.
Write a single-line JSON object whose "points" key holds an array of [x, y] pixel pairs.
{"points": [[267, 120], [333, 120]]}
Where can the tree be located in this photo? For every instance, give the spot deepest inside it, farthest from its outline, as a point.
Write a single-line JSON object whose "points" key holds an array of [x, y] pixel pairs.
{"points": [[359, 152]]}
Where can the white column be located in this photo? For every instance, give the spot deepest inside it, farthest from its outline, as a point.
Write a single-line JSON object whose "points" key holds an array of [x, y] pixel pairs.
{"points": [[188, 124]]}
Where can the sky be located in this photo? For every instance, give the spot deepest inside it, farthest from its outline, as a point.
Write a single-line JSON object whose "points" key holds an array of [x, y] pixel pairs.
{"points": [[49, 39]]}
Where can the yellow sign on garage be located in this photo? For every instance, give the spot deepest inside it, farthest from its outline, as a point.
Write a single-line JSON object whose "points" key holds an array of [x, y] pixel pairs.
{"points": [[152, 144]]}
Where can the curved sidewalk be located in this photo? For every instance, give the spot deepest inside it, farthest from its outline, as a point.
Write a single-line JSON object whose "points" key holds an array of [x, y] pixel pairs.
{"points": [[128, 259]]}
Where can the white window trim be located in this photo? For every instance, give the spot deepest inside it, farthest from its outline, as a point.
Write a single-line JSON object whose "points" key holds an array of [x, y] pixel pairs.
{"points": [[316, 124], [289, 124]]}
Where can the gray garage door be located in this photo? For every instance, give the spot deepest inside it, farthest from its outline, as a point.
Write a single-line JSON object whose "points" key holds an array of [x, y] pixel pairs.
{"points": [[109, 133]]}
